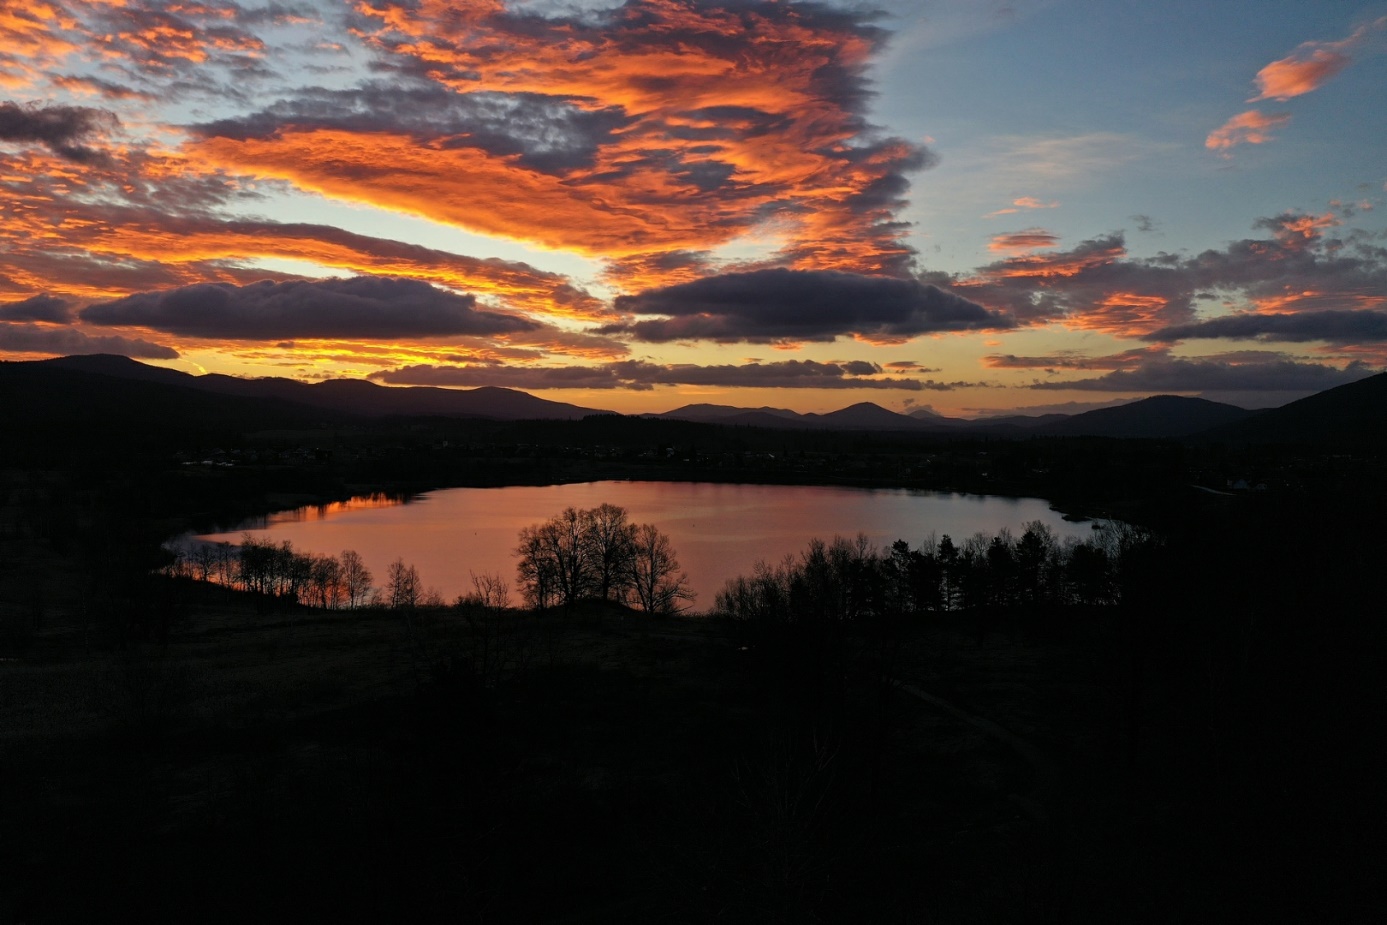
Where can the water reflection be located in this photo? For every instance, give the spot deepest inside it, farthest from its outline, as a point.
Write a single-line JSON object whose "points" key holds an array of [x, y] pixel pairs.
{"points": [[719, 530]]}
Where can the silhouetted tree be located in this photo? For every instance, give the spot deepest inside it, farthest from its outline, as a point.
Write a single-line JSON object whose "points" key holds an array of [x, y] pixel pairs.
{"points": [[356, 578], [608, 541], [402, 586], [657, 582]]}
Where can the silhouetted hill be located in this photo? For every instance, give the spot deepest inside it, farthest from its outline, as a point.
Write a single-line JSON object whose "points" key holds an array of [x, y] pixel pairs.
{"points": [[349, 396], [1348, 414], [55, 406], [1161, 416], [704, 412], [868, 416]]}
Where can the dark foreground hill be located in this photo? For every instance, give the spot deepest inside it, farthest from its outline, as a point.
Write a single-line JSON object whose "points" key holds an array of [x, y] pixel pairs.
{"points": [[1349, 414], [1159, 417]]}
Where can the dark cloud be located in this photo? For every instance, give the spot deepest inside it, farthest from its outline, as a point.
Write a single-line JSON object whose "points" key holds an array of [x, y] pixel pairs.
{"points": [[801, 305], [67, 131], [41, 307], [1300, 266], [1171, 374], [106, 88], [545, 132], [1339, 327], [639, 375], [28, 338], [358, 307], [1070, 359]]}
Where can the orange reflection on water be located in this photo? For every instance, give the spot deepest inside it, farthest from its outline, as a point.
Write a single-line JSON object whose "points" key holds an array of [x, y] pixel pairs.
{"points": [[333, 508]]}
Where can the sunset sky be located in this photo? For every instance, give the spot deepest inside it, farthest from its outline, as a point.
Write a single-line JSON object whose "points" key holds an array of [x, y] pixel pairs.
{"points": [[964, 205]]}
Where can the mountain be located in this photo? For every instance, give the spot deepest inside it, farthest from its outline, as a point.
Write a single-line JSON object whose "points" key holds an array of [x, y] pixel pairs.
{"points": [[866, 416], [347, 396], [1346, 415], [47, 407], [862, 416], [707, 413], [1161, 416]]}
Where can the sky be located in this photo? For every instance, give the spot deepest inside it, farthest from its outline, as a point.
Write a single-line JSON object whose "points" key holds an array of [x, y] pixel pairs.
{"points": [[967, 206]]}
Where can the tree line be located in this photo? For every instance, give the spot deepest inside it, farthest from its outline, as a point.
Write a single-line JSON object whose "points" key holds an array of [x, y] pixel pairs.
{"points": [[577, 555], [598, 554], [850, 579], [280, 572]]}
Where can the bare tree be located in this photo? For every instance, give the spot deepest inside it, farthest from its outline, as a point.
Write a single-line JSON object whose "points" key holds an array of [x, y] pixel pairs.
{"points": [[554, 560], [659, 585], [325, 582], [402, 586], [356, 578], [608, 541]]}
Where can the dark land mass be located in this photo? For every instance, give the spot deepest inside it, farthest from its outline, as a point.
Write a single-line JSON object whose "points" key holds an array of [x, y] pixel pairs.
{"points": [[356, 397], [1161, 416], [1203, 747], [1350, 415]]}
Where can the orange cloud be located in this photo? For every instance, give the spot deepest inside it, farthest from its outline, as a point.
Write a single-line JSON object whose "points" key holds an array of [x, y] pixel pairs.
{"points": [[1251, 127], [1309, 66], [61, 233], [1021, 241], [688, 127]]}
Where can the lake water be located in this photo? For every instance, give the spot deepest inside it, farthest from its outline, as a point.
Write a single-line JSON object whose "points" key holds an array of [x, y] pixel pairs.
{"points": [[719, 531]]}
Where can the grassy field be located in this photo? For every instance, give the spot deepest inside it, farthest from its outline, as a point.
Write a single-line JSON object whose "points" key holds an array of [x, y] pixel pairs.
{"points": [[510, 767]]}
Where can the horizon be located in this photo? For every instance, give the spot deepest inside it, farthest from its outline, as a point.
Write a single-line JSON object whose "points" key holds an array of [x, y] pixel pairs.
{"points": [[1070, 409], [638, 206]]}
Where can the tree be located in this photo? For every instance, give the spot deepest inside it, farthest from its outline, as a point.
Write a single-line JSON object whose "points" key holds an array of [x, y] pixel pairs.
{"points": [[654, 574], [325, 582], [402, 586], [608, 541], [537, 571], [356, 578]]}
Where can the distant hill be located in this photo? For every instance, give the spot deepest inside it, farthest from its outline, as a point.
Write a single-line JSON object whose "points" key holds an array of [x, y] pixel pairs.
{"points": [[1161, 416], [1346, 415], [347, 396], [727, 414], [50, 406], [861, 416], [867, 416]]}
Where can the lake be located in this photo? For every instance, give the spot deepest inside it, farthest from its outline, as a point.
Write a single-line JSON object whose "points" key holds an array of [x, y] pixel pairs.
{"points": [[718, 530]]}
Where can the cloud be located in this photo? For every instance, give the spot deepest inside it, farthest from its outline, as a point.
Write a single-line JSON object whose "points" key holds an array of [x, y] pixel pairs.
{"points": [[1172, 374], [41, 339], [67, 131], [41, 307], [359, 307], [1299, 265], [1127, 359], [543, 133], [1251, 127], [1336, 327], [144, 222], [1024, 202], [1309, 66], [639, 375], [765, 306], [1021, 241], [643, 128]]}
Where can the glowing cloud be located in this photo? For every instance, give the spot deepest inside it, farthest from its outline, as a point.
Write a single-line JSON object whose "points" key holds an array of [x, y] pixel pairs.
{"points": [[1022, 241], [1309, 66], [1251, 127]]}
